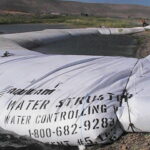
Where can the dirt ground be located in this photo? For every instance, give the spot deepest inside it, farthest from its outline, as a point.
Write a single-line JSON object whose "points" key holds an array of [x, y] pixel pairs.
{"points": [[130, 141]]}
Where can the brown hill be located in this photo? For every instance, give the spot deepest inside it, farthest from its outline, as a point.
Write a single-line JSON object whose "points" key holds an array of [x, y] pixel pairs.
{"points": [[74, 8]]}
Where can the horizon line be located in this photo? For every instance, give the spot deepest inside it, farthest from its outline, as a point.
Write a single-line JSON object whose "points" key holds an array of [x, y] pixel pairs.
{"points": [[121, 3]]}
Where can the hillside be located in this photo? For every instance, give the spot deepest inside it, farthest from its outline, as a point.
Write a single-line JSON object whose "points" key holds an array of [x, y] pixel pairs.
{"points": [[73, 8]]}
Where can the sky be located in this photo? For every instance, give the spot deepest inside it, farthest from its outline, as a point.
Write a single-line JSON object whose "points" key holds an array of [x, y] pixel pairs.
{"points": [[139, 2]]}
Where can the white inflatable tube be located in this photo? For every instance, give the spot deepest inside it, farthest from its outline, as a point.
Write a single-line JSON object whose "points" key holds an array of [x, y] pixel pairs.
{"points": [[14, 48], [42, 37], [71, 100], [134, 115], [147, 27], [24, 41], [119, 31]]}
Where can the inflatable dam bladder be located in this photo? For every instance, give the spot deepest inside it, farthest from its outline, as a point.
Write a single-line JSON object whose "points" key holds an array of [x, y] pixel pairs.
{"points": [[70, 99]]}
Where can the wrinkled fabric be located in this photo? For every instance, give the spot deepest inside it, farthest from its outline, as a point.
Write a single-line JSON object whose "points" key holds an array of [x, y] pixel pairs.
{"points": [[63, 99]]}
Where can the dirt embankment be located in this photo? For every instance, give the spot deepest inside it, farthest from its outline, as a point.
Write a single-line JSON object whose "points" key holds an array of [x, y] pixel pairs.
{"points": [[144, 44], [130, 141]]}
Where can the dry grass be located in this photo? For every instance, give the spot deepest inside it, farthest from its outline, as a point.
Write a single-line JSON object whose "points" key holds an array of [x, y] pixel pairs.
{"points": [[73, 21]]}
